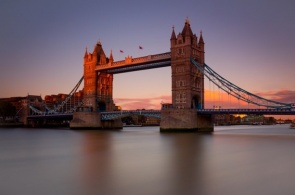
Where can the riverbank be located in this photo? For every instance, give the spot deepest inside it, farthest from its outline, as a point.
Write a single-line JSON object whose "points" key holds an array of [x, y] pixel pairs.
{"points": [[7, 125]]}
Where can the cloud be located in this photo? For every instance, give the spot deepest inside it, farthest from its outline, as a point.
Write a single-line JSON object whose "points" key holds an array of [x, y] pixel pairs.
{"points": [[286, 96]]}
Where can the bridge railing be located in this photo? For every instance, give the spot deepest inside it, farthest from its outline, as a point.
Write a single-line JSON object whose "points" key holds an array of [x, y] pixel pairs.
{"points": [[248, 111], [125, 113]]}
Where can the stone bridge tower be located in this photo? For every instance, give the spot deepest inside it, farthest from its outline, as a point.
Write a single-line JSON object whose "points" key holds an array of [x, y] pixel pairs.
{"points": [[98, 94], [98, 86], [187, 80], [187, 84]]}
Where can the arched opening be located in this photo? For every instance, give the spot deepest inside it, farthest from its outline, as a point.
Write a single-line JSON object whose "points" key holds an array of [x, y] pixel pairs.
{"points": [[101, 106], [196, 103]]}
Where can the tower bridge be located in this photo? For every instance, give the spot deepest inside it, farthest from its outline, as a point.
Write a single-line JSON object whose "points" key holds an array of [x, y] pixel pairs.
{"points": [[186, 112], [187, 83]]}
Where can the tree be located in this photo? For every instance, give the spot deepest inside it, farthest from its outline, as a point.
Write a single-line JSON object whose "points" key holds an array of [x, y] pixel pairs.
{"points": [[128, 120], [141, 119]]}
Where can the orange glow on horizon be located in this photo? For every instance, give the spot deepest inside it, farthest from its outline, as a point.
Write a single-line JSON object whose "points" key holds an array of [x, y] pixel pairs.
{"points": [[212, 98]]}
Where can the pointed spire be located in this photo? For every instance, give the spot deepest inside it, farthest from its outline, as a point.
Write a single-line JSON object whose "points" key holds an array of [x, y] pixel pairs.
{"points": [[201, 38], [173, 36], [86, 53], [187, 31], [98, 42], [97, 47], [111, 57], [187, 20]]}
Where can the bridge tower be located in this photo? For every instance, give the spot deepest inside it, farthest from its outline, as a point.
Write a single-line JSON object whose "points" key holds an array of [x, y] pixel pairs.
{"points": [[187, 81], [98, 93], [187, 84], [98, 86]]}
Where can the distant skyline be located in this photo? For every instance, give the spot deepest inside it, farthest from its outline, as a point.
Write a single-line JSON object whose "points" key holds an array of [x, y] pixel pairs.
{"points": [[42, 44]]}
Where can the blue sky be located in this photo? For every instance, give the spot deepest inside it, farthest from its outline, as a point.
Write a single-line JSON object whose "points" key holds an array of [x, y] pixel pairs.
{"points": [[42, 43]]}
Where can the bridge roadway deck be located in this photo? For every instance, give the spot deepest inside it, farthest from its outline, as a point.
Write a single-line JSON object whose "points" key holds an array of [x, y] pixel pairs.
{"points": [[157, 113], [56, 116], [248, 111]]}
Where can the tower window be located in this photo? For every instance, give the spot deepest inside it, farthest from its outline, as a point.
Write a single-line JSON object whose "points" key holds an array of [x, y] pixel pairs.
{"points": [[179, 69], [180, 51]]}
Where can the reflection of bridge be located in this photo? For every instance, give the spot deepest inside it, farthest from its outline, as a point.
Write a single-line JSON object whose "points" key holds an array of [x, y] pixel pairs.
{"points": [[187, 111]]}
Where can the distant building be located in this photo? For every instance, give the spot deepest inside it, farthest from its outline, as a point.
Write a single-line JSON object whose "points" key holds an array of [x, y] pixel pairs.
{"points": [[21, 104], [152, 121], [52, 101]]}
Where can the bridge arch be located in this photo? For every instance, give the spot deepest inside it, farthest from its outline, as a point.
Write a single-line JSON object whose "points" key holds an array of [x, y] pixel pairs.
{"points": [[101, 106], [196, 102]]}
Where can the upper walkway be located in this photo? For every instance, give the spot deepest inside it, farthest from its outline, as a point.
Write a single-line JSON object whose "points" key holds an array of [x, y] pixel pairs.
{"points": [[134, 64]]}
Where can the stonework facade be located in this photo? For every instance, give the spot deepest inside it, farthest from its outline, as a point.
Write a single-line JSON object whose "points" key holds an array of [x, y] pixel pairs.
{"points": [[187, 80], [98, 86], [187, 85]]}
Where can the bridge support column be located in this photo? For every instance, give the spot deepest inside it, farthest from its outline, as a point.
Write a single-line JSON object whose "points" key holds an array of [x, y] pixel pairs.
{"points": [[185, 120], [34, 123], [92, 120], [112, 124], [86, 120]]}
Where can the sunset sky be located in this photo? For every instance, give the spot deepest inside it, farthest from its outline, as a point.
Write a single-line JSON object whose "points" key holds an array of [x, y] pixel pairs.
{"points": [[42, 43]]}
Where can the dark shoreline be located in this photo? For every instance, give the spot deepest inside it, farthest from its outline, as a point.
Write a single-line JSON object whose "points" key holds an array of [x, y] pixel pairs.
{"points": [[6, 125]]}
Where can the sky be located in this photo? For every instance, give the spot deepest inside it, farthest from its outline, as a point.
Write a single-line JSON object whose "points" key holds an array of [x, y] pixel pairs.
{"points": [[42, 43]]}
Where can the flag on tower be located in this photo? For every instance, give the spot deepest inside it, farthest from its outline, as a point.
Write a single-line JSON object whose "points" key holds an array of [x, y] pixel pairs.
{"points": [[140, 47]]}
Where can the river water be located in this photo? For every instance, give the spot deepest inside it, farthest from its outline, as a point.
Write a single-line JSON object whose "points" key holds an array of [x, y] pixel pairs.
{"points": [[238, 160]]}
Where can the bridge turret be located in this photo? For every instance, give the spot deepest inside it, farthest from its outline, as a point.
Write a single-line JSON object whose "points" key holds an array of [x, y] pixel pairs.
{"points": [[201, 46], [173, 37], [187, 32], [90, 78], [86, 54], [99, 54], [111, 59]]}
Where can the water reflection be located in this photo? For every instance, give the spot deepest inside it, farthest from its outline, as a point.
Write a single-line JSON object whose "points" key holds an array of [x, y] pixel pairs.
{"points": [[186, 162], [232, 160], [96, 162]]}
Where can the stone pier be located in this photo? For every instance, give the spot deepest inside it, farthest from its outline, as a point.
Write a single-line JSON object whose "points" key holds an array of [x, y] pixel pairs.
{"points": [[92, 120], [185, 120]]}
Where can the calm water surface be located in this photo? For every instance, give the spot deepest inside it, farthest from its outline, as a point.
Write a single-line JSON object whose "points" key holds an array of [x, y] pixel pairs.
{"points": [[234, 160]]}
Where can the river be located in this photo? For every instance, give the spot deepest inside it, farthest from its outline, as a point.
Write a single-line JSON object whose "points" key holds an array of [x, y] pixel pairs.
{"points": [[238, 160]]}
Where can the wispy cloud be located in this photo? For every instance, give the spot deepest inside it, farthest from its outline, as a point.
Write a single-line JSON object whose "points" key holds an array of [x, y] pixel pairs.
{"points": [[286, 96]]}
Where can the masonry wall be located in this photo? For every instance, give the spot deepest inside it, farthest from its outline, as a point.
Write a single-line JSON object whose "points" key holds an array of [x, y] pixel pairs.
{"points": [[86, 120], [185, 120]]}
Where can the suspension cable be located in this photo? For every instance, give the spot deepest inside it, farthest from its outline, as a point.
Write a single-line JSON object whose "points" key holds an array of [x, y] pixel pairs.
{"points": [[236, 91]]}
